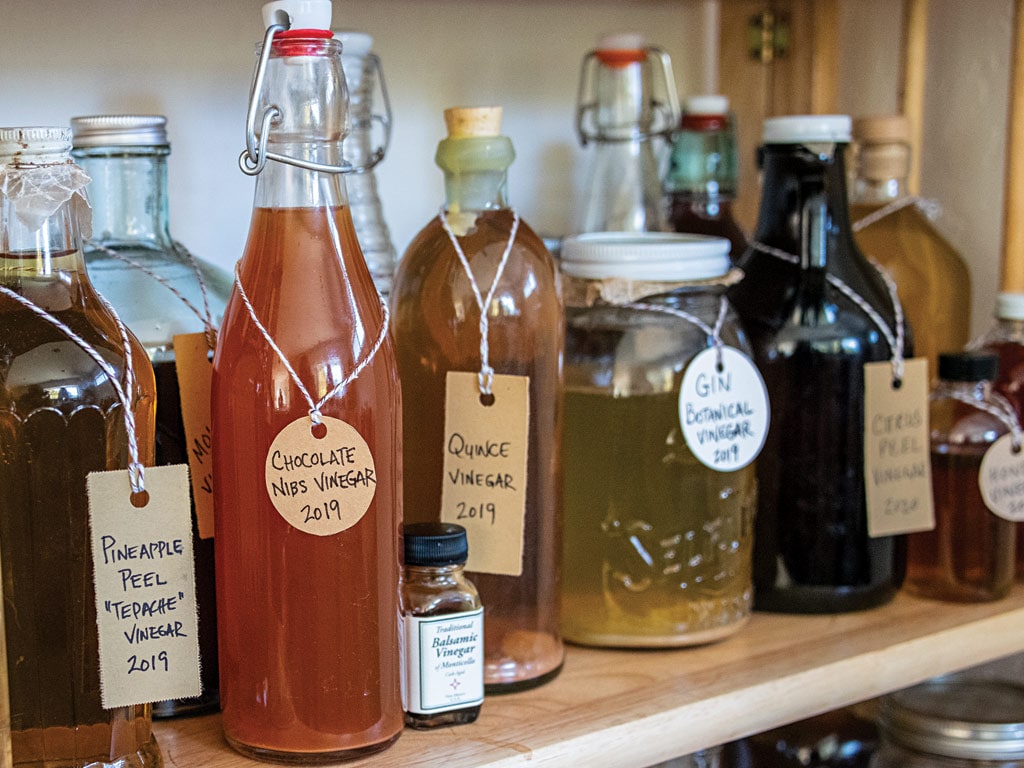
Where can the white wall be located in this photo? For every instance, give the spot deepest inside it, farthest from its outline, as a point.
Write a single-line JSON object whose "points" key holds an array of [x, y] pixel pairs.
{"points": [[193, 62]]}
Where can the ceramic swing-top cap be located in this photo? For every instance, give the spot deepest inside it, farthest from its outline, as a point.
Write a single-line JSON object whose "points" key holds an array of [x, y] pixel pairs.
{"points": [[467, 122]]}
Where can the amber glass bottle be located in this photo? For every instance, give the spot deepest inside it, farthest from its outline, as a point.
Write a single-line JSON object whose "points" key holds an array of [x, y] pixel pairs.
{"points": [[933, 281], [307, 623], [437, 330], [60, 419]]}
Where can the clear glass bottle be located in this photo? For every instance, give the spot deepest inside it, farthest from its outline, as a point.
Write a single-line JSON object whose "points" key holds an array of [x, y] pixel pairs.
{"points": [[952, 723], [656, 546], [307, 624], [933, 280], [441, 609], [126, 156], [1006, 339], [436, 323], [702, 174], [813, 552], [364, 77], [60, 419], [969, 555], [627, 100]]}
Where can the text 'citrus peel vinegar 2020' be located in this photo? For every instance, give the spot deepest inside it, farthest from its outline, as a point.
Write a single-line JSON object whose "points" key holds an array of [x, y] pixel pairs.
{"points": [[307, 445]]}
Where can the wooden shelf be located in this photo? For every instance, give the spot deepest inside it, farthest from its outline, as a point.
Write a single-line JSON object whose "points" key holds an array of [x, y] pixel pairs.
{"points": [[631, 709]]}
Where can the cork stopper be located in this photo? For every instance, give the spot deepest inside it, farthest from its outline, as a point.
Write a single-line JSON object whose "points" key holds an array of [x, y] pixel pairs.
{"points": [[882, 129], [469, 122]]}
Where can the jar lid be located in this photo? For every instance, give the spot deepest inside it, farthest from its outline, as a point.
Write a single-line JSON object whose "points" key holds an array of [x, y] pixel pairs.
{"points": [[434, 544], [968, 366], [119, 130], [1010, 306], [653, 256], [706, 104], [807, 129], [973, 719], [35, 145]]}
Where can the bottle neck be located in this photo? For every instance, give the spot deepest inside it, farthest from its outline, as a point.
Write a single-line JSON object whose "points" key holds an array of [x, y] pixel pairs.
{"points": [[129, 195], [623, 101], [434, 574], [703, 165], [476, 191], [979, 391], [882, 171]]}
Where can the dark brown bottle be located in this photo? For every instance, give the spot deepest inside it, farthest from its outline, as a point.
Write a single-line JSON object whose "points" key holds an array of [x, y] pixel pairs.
{"points": [[812, 552]]}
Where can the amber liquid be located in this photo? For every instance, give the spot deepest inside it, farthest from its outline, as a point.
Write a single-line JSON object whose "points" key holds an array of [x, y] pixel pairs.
{"points": [[436, 325], [658, 546], [933, 282], [60, 420], [969, 555], [307, 625]]}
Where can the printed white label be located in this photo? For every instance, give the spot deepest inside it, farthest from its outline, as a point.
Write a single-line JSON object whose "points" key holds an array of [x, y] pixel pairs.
{"points": [[723, 409], [444, 662], [1001, 480]]}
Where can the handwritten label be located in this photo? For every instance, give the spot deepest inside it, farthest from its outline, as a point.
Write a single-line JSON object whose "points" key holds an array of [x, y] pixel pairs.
{"points": [[145, 588], [195, 373], [484, 483], [723, 411], [1001, 480], [897, 462], [321, 479], [443, 662]]}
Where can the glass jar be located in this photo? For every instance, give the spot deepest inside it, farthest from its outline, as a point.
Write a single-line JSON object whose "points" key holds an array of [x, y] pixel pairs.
{"points": [[969, 555], [656, 545], [952, 723]]}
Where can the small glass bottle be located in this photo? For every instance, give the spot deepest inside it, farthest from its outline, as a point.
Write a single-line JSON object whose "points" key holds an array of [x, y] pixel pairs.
{"points": [[702, 175], [364, 77], [126, 156], [60, 419], [933, 280], [969, 555], [627, 100], [307, 615], [952, 723], [656, 546], [443, 682], [437, 328], [811, 342], [1006, 339]]}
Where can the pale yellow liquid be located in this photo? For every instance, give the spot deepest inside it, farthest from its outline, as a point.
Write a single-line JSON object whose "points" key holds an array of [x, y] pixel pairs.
{"points": [[657, 547]]}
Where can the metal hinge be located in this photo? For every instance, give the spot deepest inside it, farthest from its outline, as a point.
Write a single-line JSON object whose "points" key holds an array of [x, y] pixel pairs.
{"points": [[768, 36]]}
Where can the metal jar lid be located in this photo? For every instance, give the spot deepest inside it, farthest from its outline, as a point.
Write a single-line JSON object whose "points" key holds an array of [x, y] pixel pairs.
{"points": [[960, 718], [119, 130], [651, 256]]}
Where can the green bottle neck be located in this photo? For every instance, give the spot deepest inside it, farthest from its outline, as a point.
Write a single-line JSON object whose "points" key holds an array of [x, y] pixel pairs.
{"points": [[475, 172]]}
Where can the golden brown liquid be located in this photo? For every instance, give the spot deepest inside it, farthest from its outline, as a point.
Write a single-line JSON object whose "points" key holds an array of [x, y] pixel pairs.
{"points": [[307, 624], [436, 324], [933, 282], [60, 420]]}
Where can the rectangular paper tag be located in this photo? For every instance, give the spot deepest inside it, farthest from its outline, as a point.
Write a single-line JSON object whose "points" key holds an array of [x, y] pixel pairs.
{"points": [[145, 588], [484, 483], [897, 458], [195, 373]]}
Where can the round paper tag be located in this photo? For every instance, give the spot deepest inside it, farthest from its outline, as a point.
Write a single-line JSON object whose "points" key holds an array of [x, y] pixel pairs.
{"points": [[723, 411], [1001, 480], [321, 479]]}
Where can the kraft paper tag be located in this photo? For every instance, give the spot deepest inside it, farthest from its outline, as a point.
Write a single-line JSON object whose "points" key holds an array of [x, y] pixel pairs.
{"points": [[1001, 480], [145, 587], [723, 411], [484, 483], [195, 372], [897, 459], [320, 478]]}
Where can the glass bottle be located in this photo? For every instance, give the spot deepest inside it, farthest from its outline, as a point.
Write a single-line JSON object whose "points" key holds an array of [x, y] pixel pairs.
{"points": [[441, 609], [307, 623], [702, 175], [436, 322], [126, 156], [60, 419], [933, 280], [621, 110], [1006, 339], [813, 552], [364, 76], [969, 555], [656, 546]]}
